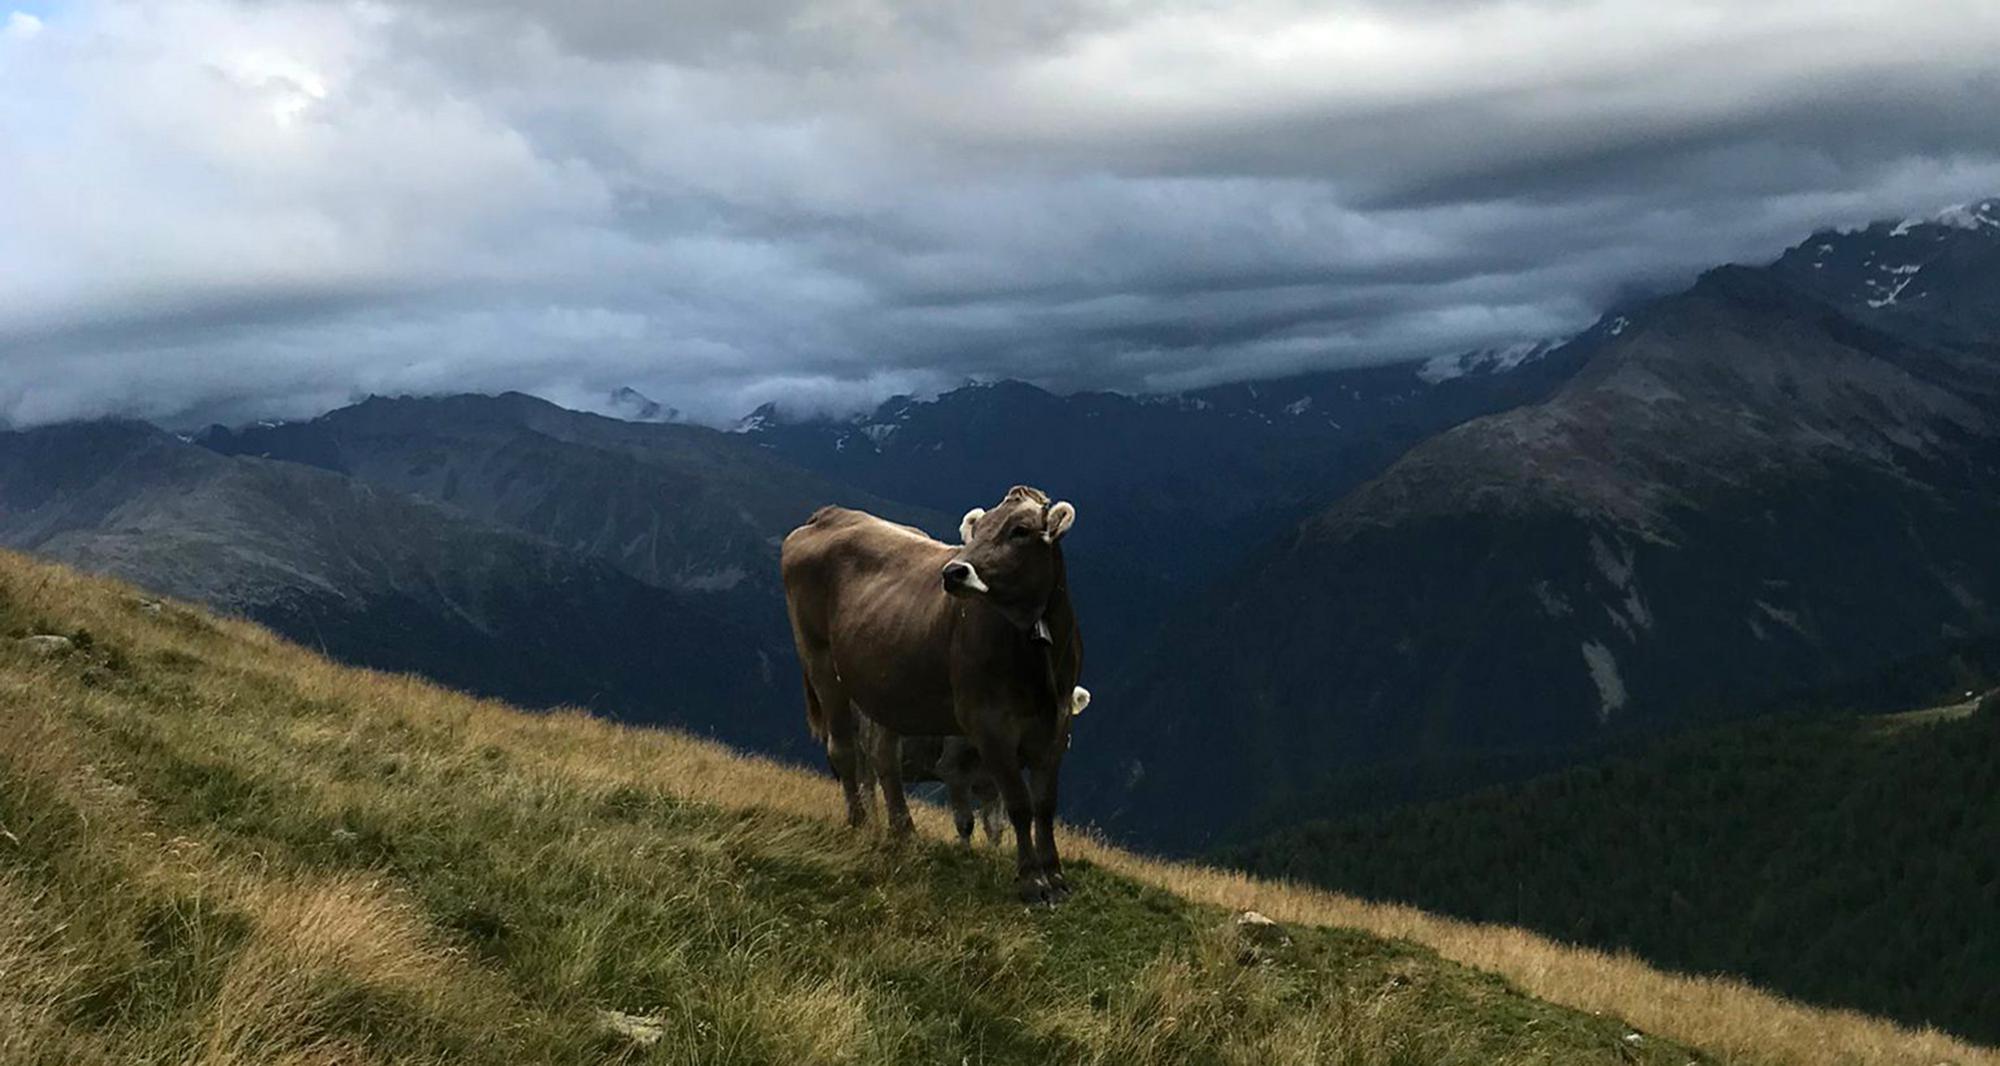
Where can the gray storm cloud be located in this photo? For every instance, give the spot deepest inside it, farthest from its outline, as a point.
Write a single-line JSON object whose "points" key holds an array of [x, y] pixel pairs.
{"points": [[231, 210]]}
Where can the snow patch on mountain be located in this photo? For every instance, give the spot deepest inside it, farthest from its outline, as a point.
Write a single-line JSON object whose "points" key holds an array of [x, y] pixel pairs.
{"points": [[1982, 215], [1484, 361], [1603, 667]]}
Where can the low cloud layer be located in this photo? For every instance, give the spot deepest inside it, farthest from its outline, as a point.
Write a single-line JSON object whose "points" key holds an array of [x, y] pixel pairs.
{"points": [[220, 210]]}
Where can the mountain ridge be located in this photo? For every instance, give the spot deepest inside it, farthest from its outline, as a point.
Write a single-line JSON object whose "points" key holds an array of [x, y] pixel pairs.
{"points": [[385, 579]]}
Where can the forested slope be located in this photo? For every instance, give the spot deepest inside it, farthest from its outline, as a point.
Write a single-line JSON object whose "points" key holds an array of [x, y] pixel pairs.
{"points": [[1853, 861]]}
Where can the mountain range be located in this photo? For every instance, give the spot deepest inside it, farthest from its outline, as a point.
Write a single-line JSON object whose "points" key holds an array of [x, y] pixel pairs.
{"points": [[1177, 489], [1780, 480]]}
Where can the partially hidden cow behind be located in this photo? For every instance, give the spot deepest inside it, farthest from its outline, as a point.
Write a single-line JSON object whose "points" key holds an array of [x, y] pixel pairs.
{"points": [[951, 761], [977, 640]]}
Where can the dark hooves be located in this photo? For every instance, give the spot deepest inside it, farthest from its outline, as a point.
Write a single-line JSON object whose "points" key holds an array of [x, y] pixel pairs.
{"points": [[1044, 890]]}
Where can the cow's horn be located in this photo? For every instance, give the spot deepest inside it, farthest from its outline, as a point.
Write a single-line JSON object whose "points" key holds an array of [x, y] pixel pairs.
{"points": [[1060, 517]]}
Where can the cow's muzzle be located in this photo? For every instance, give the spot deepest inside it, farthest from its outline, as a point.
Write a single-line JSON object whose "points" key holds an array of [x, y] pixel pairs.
{"points": [[961, 579]]}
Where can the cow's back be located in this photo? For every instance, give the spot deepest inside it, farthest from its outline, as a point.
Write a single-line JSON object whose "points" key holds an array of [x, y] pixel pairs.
{"points": [[840, 555], [868, 593]]}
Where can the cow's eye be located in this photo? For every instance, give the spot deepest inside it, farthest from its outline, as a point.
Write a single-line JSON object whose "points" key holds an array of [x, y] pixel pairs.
{"points": [[1019, 532]]}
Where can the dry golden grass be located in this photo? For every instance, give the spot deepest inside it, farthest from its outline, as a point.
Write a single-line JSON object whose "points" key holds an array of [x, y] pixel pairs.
{"points": [[296, 963]]}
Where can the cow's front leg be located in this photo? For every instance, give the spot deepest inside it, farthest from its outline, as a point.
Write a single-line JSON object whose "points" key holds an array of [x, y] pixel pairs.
{"points": [[1001, 761], [887, 756], [1042, 787]]}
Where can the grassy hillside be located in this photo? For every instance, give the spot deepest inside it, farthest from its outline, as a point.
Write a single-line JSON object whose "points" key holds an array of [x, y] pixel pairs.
{"points": [[216, 847], [1852, 861]]}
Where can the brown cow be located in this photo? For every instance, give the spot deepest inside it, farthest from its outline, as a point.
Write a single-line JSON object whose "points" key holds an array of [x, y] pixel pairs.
{"points": [[928, 639]]}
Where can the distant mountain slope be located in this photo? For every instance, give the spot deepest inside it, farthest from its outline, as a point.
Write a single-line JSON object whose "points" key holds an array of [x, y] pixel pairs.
{"points": [[677, 506], [1212, 462], [1172, 490], [218, 847], [1854, 861], [1745, 490], [387, 580]]}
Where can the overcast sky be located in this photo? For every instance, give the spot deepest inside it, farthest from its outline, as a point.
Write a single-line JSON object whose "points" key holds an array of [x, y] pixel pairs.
{"points": [[226, 210]]}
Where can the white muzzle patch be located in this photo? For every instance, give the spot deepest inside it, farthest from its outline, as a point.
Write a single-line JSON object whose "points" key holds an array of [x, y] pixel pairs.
{"points": [[972, 582]]}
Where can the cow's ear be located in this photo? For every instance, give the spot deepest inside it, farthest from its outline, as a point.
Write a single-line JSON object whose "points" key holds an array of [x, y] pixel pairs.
{"points": [[1061, 517], [965, 524]]}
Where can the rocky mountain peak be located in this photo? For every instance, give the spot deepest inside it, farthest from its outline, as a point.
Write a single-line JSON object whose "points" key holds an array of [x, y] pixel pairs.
{"points": [[632, 405], [1898, 268]]}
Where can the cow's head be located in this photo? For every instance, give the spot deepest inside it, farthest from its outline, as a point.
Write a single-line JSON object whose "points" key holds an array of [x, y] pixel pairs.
{"points": [[1008, 555]]}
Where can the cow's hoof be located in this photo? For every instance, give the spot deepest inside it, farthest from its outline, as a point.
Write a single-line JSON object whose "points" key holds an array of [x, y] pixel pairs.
{"points": [[1037, 890], [1058, 888]]}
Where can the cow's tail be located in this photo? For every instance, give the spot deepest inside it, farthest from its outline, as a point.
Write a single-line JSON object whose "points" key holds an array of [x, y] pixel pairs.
{"points": [[815, 714]]}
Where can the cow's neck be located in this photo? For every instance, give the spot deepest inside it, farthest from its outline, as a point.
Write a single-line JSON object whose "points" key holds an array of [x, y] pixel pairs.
{"points": [[1050, 625], [1043, 628], [1060, 615], [1057, 644], [1057, 620]]}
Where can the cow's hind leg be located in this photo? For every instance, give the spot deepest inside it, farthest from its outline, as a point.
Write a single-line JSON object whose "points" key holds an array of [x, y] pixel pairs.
{"points": [[993, 817], [958, 767], [842, 748], [961, 808], [886, 752]]}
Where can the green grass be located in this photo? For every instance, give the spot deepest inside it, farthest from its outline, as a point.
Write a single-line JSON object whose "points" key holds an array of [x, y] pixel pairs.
{"points": [[217, 848]]}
